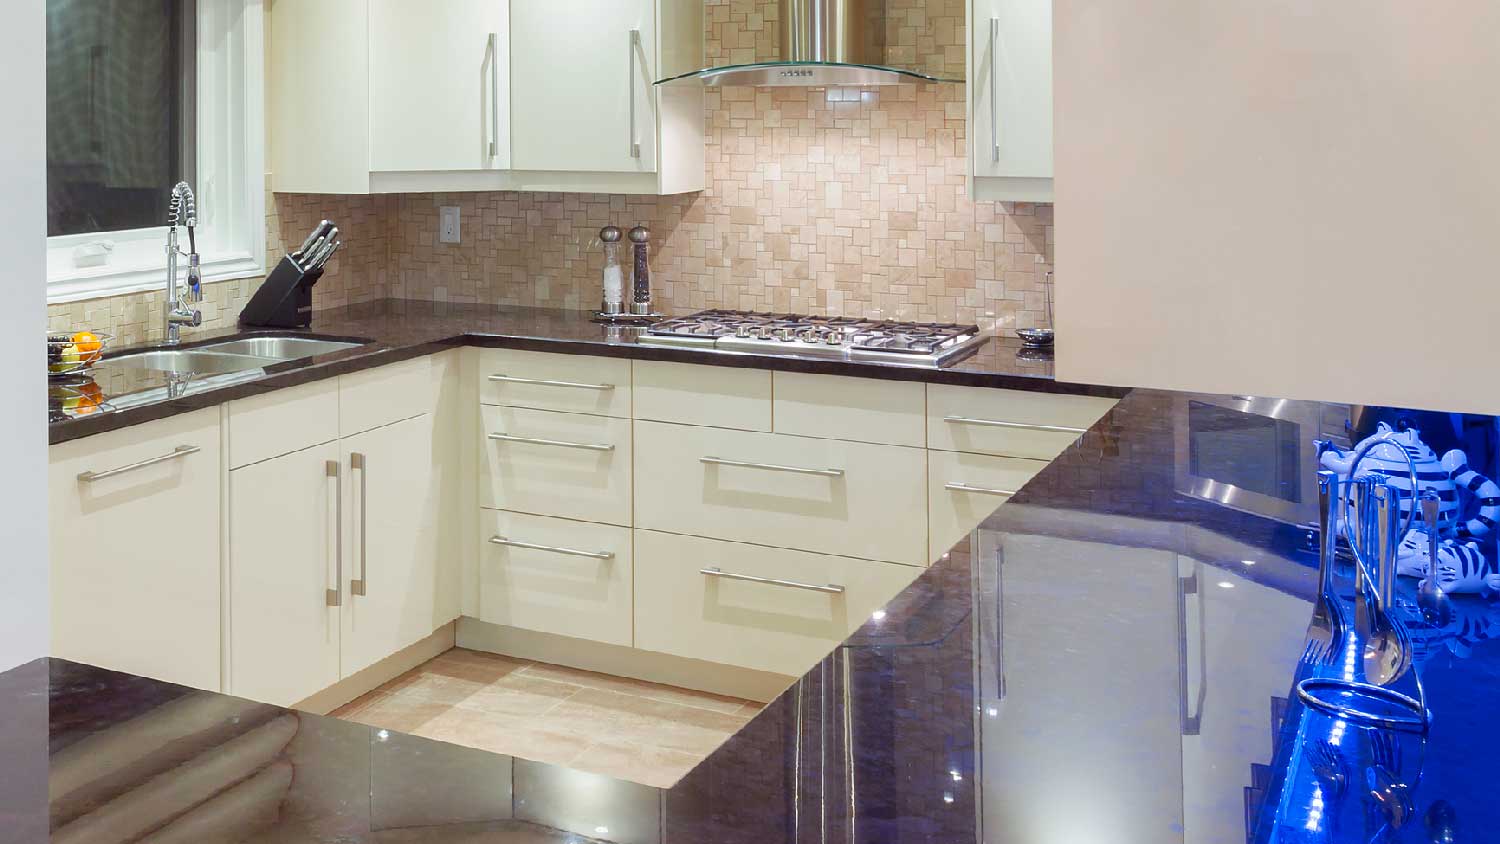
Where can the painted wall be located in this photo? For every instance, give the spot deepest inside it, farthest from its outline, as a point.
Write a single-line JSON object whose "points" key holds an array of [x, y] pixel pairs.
{"points": [[1280, 198], [23, 233]]}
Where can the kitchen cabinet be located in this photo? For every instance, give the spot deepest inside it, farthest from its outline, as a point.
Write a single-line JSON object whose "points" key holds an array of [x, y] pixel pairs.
{"points": [[134, 532], [584, 110], [286, 518], [1010, 100], [377, 96]]}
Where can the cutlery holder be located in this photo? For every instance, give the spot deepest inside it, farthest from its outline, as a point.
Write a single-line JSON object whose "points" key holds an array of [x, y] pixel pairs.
{"points": [[284, 299]]}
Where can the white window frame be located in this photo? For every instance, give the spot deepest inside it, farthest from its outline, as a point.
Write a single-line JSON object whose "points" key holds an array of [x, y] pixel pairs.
{"points": [[230, 183]]}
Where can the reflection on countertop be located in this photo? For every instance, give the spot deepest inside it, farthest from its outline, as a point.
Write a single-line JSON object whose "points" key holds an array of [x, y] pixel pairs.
{"points": [[395, 330], [1102, 660]]}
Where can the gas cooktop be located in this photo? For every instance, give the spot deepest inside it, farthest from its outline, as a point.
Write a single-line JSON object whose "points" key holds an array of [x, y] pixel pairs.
{"points": [[910, 343]]}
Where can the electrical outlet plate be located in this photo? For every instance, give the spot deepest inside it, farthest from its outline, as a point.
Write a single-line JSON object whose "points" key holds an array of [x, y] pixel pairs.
{"points": [[448, 229]]}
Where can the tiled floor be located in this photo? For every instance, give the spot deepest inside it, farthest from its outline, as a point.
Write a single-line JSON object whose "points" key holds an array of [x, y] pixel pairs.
{"points": [[630, 729]]}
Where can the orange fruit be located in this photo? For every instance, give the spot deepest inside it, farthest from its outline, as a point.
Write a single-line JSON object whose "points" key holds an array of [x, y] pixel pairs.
{"points": [[88, 344]]}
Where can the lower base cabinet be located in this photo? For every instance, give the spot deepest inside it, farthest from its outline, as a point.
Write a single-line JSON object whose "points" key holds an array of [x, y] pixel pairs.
{"points": [[768, 609], [334, 560]]}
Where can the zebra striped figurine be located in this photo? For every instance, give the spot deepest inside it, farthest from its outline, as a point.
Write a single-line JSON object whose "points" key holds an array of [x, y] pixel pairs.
{"points": [[1392, 455]]}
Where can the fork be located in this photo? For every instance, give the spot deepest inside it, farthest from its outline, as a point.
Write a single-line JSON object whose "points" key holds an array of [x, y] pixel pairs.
{"points": [[1328, 619], [1383, 779], [1317, 653]]}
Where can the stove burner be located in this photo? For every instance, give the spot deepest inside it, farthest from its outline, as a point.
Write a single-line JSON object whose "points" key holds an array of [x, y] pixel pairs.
{"points": [[911, 343]]}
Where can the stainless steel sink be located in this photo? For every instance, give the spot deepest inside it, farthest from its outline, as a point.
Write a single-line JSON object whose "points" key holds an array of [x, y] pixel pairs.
{"points": [[278, 348], [186, 362]]}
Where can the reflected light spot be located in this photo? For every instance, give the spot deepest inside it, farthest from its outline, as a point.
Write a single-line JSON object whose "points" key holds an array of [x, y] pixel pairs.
{"points": [[1224, 584]]}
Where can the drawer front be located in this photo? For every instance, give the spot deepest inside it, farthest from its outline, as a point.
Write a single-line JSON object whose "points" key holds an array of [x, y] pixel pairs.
{"points": [[378, 397], [829, 496], [862, 409], [719, 396], [1011, 423], [134, 551], [556, 576], [762, 626], [964, 489], [571, 465], [572, 383], [283, 421]]}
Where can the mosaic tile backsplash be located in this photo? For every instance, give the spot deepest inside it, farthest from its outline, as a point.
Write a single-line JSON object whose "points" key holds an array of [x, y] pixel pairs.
{"points": [[818, 201]]}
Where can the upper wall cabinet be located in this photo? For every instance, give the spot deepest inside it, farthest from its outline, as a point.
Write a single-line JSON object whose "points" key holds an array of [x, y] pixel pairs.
{"points": [[583, 106], [386, 96], [373, 96], [1010, 100]]}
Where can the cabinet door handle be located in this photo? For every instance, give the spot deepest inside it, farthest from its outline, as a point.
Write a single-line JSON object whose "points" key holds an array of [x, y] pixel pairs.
{"points": [[336, 595], [635, 43], [559, 443], [983, 490], [772, 467], [555, 549], [994, 96], [358, 463], [494, 50], [830, 589], [995, 423], [543, 382], [177, 454]]}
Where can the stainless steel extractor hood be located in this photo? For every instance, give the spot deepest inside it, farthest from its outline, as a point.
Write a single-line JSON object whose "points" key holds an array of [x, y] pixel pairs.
{"points": [[823, 42]]}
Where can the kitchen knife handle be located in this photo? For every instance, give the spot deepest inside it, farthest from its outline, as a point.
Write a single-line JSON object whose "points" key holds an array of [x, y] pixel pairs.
{"points": [[493, 48], [635, 43], [358, 463], [335, 596]]}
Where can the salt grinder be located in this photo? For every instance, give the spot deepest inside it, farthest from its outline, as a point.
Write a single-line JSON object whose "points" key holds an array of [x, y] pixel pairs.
{"points": [[640, 300], [614, 273]]}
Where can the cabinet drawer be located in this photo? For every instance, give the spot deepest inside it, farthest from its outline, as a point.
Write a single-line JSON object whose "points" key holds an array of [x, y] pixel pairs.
{"points": [[571, 465], [964, 489], [829, 496], [283, 421], [763, 626], [1012, 423], [720, 396], [389, 394], [135, 549], [572, 383], [556, 576], [862, 409]]}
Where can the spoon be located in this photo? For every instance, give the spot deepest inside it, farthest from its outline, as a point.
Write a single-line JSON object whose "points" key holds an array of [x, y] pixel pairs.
{"points": [[1442, 823], [1431, 599]]}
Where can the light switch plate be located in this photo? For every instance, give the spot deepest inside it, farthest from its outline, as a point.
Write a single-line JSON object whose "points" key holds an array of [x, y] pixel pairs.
{"points": [[448, 224]]}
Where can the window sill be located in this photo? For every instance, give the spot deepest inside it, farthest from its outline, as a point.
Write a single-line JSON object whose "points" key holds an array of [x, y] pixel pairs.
{"points": [[117, 282]]}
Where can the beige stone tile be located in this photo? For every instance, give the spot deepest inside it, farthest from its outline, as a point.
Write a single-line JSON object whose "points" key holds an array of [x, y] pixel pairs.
{"points": [[648, 765], [421, 685], [639, 688], [393, 712], [519, 695], [626, 718], [473, 666], [509, 735]]}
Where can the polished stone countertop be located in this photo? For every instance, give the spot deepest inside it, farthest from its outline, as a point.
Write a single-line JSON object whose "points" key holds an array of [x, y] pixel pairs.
{"points": [[1102, 660], [395, 330]]}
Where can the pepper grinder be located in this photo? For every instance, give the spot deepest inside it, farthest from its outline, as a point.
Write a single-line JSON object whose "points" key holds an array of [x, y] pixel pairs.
{"points": [[614, 273], [640, 300]]}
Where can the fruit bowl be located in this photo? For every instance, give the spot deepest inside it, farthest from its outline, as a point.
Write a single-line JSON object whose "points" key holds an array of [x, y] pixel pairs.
{"points": [[69, 354]]}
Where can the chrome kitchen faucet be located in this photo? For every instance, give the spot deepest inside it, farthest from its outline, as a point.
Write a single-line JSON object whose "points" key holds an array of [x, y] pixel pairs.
{"points": [[183, 210]]}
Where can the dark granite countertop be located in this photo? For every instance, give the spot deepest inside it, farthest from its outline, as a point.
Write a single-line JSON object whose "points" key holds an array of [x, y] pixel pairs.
{"points": [[1100, 661], [396, 330]]}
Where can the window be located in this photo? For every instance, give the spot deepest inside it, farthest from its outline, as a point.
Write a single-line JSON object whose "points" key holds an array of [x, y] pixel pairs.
{"points": [[142, 94]]}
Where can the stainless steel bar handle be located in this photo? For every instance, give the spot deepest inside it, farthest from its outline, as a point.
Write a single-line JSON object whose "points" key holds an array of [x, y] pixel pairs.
{"points": [[830, 589], [772, 467], [494, 50], [994, 95], [543, 382], [985, 490], [559, 443], [555, 549], [1025, 426], [635, 43], [335, 596], [358, 463], [177, 453]]}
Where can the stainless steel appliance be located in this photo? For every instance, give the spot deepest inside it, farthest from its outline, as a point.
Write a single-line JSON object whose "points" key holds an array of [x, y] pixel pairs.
{"points": [[925, 344], [1254, 454]]}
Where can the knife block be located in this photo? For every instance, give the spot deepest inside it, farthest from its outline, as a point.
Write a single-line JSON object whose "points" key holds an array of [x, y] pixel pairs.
{"points": [[284, 299]]}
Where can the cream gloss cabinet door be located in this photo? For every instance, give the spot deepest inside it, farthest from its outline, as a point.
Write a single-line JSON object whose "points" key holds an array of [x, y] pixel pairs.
{"points": [[134, 532], [285, 517], [440, 85], [393, 502], [583, 100], [1010, 86]]}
